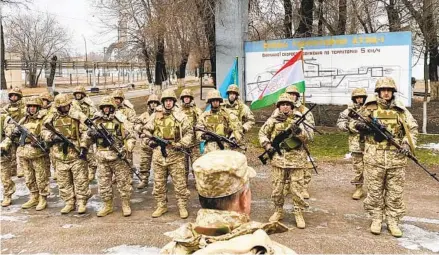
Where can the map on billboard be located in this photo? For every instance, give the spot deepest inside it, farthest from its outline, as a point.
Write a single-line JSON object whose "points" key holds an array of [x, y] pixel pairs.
{"points": [[334, 65]]}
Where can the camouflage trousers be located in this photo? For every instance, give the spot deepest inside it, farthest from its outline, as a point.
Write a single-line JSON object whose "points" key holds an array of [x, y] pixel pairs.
{"points": [[73, 180], [145, 162], [6, 175], [91, 161], [296, 178], [12, 155], [358, 166], [177, 172], [122, 173], [35, 174], [307, 173], [385, 192]]}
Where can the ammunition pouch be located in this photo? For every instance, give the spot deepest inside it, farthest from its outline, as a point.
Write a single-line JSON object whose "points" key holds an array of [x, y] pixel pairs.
{"points": [[291, 143]]}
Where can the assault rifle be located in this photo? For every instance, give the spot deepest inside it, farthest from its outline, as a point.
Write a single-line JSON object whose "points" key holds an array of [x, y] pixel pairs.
{"points": [[278, 139], [25, 133], [111, 142], [163, 143], [220, 140], [380, 130], [66, 141]]}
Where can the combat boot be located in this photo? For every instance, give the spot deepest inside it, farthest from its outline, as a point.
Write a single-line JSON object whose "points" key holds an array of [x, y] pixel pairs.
{"points": [[393, 228], [183, 212], [82, 207], [305, 194], [375, 227], [33, 201], [358, 192], [42, 204], [6, 201], [300, 221], [142, 185], [107, 209], [126, 209], [70, 206], [277, 215], [161, 209]]}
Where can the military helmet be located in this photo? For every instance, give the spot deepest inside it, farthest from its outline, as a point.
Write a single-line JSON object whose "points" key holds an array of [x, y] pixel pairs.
{"points": [[118, 93], [186, 93], [359, 92], [80, 89], [62, 100], [107, 101], [46, 96], [169, 93], [34, 101], [385, 82], [15, 91], [233, 88], [214, 94], [285, 97], [292, 89], [153, 98]]}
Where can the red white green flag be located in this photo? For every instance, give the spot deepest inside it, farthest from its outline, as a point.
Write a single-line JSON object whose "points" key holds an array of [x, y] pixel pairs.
{"points": [[290, 74]]}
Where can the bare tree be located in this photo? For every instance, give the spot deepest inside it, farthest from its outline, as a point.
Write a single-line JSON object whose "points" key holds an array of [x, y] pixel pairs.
{"points": [[306, 19], [288, 19], [36, 38]]}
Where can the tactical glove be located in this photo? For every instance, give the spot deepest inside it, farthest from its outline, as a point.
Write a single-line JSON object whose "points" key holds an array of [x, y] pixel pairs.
{"points": [[152, 144], [405, 149], [93, 134], [15, 133], [296, 130], [83, 153], [56, 139], [362, 127]]}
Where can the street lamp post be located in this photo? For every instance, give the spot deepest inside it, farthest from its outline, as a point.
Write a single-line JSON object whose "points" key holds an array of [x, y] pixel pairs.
{"points": [[86, 59]]}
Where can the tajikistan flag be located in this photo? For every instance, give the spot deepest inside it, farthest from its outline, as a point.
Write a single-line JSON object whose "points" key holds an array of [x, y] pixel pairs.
{"points": [[290, 74]]}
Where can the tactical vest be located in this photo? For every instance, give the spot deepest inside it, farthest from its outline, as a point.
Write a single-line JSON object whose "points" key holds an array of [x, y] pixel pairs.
{"points": [[33, 125], [236, 110], [191, 114], [68, 127], [114, 127], [166, 127], [291, 142], [217, 122], [16, 111], [390, 118]]}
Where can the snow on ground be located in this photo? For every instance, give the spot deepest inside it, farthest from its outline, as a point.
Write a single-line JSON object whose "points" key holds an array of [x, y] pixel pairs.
{"points": [[348, 156], [415, 238], [13, 218], [431, 146], [132, 249], [94, 203], [7, 236], [423, 220]]}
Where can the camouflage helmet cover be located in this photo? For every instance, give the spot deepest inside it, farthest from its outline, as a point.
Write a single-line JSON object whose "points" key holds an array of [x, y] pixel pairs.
{"points": [[80, 89], [107, 101], [186, 93], [233, 88], [46, 96], [359, 92], [15, 91], [34, 101], [169, 93], [292, 89], [62, 100], [285, 97], [153, 98], [385, 82], [118, 93], [214, 94]]}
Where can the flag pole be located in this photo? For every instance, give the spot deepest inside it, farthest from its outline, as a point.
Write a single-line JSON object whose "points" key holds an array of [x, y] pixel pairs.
{"points": [[303, 70], [237, 73]]}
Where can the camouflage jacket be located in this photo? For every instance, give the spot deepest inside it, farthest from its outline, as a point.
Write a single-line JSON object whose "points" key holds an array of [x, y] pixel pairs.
{"points": [[347, 124], [398, 121], [193, 114], [5, 133], [86, 106], [34, 125], [127, 109], [309, 118], [71, 126], [225, 232], [122, 132], [16, 110], [139, 123], [172, 126], [220, 122], [242, 112], [290, 158]]}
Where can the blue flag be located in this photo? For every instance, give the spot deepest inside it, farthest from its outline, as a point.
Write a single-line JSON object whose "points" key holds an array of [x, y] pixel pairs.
{"points": [[231, 78]]}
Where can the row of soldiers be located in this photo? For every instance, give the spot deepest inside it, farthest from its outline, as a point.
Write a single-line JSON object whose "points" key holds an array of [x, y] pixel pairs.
{"points": [[185, 128]]}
